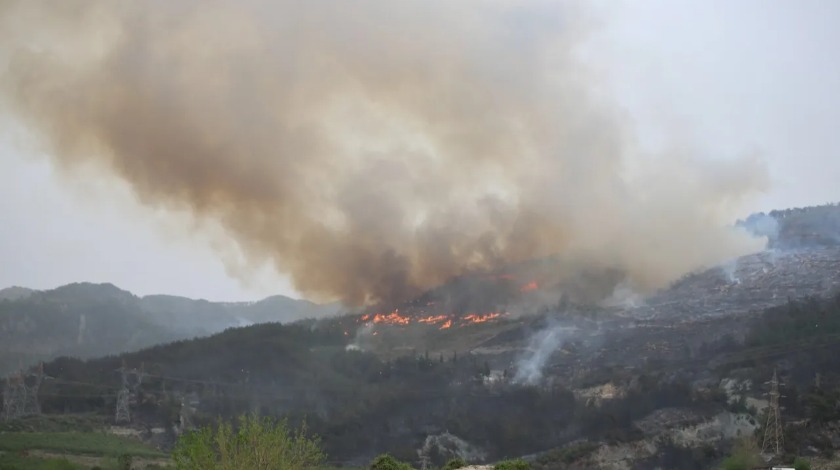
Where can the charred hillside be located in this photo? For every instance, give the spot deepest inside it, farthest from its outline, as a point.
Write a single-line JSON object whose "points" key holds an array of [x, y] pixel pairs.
{"points": [[639, 380], [607, 386]]}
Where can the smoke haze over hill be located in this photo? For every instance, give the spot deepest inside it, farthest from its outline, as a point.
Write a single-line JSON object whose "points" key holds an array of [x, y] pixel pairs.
{"points": [[370, 150]]}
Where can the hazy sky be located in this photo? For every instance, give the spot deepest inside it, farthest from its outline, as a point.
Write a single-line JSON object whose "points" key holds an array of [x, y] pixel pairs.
{"points": [[733, 77]]}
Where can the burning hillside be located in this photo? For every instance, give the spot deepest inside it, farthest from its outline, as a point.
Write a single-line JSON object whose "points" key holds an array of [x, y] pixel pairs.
{"points": [[444, 321]]}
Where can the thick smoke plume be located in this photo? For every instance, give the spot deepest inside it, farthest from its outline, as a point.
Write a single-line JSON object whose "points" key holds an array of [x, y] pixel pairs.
{"points": [[369, 149]]}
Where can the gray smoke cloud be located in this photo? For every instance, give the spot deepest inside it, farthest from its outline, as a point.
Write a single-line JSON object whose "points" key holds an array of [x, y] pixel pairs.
{"points": [[369, 149], [761, 225], [730, 271], [541, 346]]}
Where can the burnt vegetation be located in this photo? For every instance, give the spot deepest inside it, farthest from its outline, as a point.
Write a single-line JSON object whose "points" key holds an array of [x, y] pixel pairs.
{"points": [[361, 403], [616, 376]]}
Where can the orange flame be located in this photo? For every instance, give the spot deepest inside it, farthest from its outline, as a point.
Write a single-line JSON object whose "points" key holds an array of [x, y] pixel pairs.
{"points": [[393, 318], [431, 320], [445, 321], [473, 318], [530, 286]]}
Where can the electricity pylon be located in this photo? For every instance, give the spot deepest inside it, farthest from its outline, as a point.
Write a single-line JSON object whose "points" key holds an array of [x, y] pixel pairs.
{"points": [[131, 380], [32, 383], [14, 397], [773, 433]]}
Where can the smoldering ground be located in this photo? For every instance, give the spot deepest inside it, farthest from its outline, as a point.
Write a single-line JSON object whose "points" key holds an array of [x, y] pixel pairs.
{"points": [[369, 149]]}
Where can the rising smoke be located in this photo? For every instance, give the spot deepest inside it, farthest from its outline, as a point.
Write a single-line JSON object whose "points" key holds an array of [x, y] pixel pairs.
{"points": [[730, 271], [368, 149], [542, 344]]}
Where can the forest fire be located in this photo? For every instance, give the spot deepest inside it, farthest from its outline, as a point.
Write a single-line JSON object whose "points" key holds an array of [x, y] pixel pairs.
{"points": [[432, 320], [393, 318], [445, 321], [529, 287], [473, 318]]}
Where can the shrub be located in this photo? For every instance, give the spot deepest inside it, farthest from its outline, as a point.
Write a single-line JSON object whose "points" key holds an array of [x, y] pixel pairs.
{"points": [[60, 464], [124, 462], [258, 443], [744, 456], [455, 464], [386, 462], [517, 464], [801, 464], [566, 455]]}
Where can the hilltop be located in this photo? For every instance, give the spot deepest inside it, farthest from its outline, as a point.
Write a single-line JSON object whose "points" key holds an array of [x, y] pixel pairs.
{"points": [[88, 320]]}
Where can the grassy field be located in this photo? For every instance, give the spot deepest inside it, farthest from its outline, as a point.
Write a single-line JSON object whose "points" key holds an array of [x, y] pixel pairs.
{"points": [[92, 443], [56, 423], [21, 462]]}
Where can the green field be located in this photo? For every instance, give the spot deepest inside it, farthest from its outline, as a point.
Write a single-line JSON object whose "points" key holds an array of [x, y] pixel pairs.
{"points": [[91, 443], [19, 462], [56, 423]]}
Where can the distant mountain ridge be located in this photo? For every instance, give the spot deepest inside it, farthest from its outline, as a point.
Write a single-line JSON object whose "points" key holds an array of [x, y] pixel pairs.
{"points": [[88, 320], [15, 293]]}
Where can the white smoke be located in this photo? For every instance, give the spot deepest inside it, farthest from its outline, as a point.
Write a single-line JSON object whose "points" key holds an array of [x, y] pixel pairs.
{"points": [[762, 225], [362, 338], [624, 296], [729, 270], [242, 322], [529, 369], [448, 446]]}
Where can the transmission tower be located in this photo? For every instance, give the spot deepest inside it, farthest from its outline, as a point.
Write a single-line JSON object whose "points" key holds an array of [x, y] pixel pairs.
{"points": [[127, 395], [32, 383], [185, 416], [14, 397], [122, 415], [773, 436]]}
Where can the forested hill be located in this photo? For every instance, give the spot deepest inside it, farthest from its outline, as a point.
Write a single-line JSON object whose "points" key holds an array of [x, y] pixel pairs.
{"points": [[363, 404], [88, 320], [798, 227], [670, 380]]}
